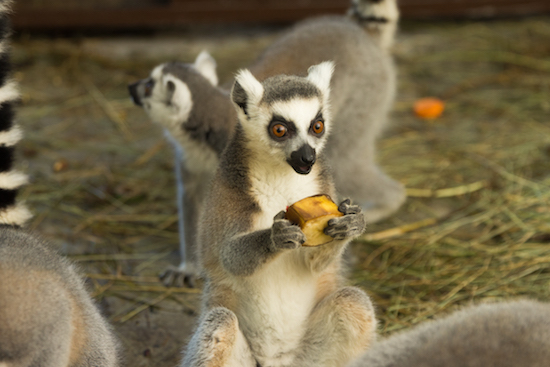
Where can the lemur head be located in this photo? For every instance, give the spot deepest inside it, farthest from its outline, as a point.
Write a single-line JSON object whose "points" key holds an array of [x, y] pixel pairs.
{"points": [[286, 117], [166, 94]]}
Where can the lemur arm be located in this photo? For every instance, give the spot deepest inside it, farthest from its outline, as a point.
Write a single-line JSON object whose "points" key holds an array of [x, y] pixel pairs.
{"points": [[243, 254]]}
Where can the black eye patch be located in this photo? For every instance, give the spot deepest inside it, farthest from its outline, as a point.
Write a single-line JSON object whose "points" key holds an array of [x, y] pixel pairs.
{"points": [[280, 129]]}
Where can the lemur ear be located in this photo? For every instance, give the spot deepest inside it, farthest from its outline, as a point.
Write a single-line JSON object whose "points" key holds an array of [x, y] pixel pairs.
{"points": [[320, 75], [206, 65], [170, 89], [246, 90]]}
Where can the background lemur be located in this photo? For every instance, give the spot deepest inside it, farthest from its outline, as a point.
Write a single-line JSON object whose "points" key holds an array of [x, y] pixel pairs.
{"points": [[46, 317], [185, 99], [514, 334], [268, 300]]}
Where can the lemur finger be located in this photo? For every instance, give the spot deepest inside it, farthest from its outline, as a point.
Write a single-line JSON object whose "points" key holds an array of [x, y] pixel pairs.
{"points": [[282, 223], [359, 219], [294, 233], [167, 277], [347, 208], [343, 205], [280, 215], [347, 226], [286, 236], [179, 280]]}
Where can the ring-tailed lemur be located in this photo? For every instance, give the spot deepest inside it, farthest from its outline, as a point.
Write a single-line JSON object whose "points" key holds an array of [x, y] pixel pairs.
{"points": [[186, 101], [268, 300], [512, 334], [46, 317]]}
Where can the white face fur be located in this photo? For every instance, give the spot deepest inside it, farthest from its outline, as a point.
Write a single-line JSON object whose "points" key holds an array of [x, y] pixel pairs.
{"points": [[166, 98], [169, 102], [291, 130]]}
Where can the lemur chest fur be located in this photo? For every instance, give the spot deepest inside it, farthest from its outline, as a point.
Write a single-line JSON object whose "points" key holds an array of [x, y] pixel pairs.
{"points": [[275, 189], [278, 299]]}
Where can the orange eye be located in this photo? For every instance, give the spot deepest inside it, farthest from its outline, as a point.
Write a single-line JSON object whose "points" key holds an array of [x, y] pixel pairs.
{"points": [[278, 130], [148, 88], [318, 127]]}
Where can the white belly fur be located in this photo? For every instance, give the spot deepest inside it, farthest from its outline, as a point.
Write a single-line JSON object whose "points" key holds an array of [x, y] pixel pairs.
{"points": [[276, 302]]}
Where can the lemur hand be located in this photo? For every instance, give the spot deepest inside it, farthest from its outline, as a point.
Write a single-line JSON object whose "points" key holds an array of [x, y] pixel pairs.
{"points": [[285, 235], [351, 225]]}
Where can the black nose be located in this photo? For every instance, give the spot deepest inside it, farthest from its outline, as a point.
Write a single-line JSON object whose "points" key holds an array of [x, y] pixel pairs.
{"points": [[132, 88], [302, 159], [307, 155]]}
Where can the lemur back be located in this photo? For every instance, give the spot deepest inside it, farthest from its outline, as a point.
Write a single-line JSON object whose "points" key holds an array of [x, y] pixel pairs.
{"points": [[268, 300], [46, 317], [512, 334], [186, 100]]}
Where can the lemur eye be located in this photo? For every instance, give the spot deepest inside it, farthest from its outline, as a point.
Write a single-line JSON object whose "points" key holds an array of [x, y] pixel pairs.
{"points": [[149, 88], [318, 127], [278, 130]]}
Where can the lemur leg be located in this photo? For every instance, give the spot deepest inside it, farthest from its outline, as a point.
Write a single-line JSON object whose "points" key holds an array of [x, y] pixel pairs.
{"points": [[218, 342], [341, 327], [378, 17], [186, 272]]}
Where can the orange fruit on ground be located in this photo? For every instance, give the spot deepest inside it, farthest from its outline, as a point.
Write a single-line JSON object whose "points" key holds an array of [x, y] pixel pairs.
{"points": [[429, 108]]}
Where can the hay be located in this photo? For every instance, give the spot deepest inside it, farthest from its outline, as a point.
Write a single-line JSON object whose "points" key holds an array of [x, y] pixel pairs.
{"points": [[476, 226]]}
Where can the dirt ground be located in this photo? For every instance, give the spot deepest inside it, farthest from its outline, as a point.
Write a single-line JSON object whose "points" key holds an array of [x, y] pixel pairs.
{"points": [[476, 226]]}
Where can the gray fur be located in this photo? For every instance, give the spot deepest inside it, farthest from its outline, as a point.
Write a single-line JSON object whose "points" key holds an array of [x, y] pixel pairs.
{"points": [[363, 89], [514, 334], [284, 235], [243, 264], [277, 89], [212, 110], [215, 343], [350, 225], [47, 317]]}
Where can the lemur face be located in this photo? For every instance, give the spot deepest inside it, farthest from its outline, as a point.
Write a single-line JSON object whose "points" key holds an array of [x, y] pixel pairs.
{"points": [[166, 93], [286, 117]]}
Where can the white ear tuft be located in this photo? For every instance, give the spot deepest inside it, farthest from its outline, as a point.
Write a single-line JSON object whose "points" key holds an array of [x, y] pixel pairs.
{"points": [[320, 75], [206, 65], [247, 89]]}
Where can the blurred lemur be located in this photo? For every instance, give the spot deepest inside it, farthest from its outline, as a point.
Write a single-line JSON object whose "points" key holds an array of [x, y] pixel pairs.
{"points": [[512, 334], [47, 318], [268, 300], [199, 118]]}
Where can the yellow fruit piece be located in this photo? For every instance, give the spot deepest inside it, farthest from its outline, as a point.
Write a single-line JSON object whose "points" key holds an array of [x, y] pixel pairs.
{"points": [[429, 108], [312, 215]]}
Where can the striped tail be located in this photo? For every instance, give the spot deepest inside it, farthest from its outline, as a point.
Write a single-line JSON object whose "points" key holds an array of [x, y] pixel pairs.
{"points": [[11, 212], [378, 17]]}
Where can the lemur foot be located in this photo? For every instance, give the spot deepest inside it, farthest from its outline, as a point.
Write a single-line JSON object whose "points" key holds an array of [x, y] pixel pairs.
{"points": [[285, 235], [386, 198], [181, 276], [351, 225], [218, 342]]}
